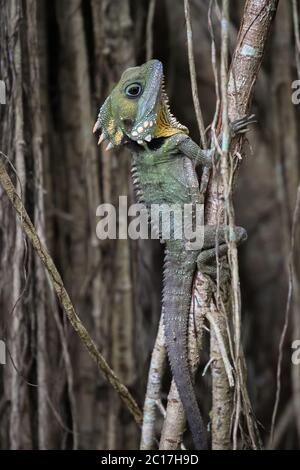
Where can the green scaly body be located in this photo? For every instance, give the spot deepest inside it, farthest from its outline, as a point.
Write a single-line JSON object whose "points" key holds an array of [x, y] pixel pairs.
{"points": [[167, 176]]}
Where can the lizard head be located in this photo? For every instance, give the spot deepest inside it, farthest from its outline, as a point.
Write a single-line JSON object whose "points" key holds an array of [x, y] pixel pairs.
{"points": [[137, 108]]}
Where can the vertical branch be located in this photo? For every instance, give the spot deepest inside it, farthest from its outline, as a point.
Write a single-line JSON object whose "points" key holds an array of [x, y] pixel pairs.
{"points": [[229, 217], [257, 18], [156, 370], [222, 404], [237, 93], [193, 75], [221, 387], [149, 30]]}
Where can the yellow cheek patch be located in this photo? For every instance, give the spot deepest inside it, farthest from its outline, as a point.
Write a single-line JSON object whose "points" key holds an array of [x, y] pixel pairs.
{"points": [[164, 127], [111, 127], [114, 132], [118, 137]]}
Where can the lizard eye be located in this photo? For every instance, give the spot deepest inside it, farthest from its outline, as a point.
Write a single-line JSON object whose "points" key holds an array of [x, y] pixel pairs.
{"points": [[134, 90]]}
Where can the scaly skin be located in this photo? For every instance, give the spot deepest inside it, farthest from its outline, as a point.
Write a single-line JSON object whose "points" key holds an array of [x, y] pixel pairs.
{"points": [[163, 170]]}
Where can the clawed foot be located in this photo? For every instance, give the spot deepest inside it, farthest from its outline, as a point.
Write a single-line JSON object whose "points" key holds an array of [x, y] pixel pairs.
{"points": [[207, 262], [240, 126]]}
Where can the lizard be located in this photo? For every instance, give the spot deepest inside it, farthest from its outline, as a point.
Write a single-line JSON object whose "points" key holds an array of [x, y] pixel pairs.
{"points": [[137, 115]]}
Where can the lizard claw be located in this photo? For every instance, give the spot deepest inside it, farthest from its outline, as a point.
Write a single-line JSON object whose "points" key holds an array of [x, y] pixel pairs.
{"points": [[240, 126]]}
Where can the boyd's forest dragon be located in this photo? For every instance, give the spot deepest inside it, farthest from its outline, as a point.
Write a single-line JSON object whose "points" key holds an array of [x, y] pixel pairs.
{"points": [[136, 115]]}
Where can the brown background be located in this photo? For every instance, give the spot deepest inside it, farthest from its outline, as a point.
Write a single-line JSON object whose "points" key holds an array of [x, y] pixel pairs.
{"points": [[59, 60]]}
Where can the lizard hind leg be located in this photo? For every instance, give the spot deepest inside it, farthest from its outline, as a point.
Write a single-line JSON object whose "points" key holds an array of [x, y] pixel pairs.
{"points": [[207, 263], [207, 259]]}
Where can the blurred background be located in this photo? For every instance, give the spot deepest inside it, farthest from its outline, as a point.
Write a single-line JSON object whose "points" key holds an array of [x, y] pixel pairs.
{"points": [[59, 60]]}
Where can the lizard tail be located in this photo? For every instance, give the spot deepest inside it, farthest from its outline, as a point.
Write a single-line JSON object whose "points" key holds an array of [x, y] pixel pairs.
{"points": [[178, 280]]}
